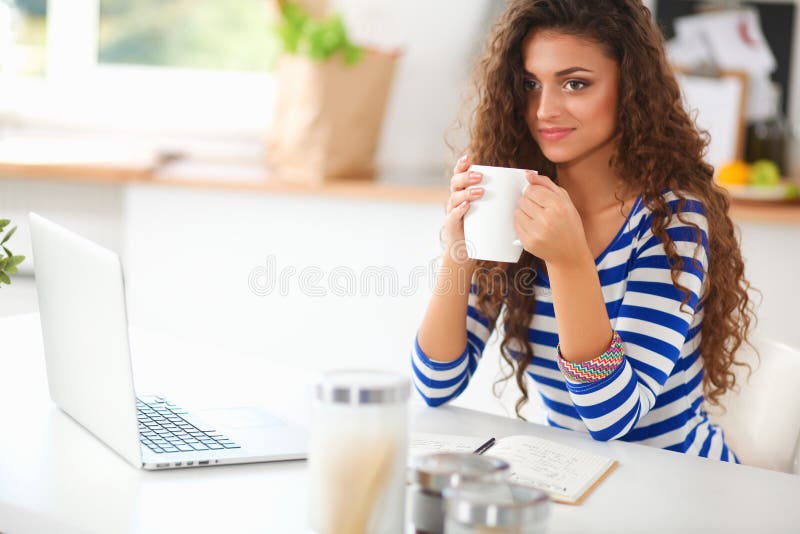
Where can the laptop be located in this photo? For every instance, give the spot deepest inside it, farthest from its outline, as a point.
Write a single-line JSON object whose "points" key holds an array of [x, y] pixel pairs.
{"points": [[87, 355]]}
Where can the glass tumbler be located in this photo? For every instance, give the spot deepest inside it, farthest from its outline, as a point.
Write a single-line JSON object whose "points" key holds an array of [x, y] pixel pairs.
{"points": [[358, 443]]}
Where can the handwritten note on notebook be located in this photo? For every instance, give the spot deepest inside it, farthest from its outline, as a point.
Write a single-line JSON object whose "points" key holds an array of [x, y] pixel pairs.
{"points": [[566, 473]]}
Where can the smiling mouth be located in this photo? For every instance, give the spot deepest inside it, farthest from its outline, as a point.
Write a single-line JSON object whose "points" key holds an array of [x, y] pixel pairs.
{"points": [[555, 134]]}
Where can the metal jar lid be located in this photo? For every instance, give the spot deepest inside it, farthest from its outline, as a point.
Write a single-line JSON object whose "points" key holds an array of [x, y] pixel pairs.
{"points": [[496, 504], [362, 386], [437, 471]]}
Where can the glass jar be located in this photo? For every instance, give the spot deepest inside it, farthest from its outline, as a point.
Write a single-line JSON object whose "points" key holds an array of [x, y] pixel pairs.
{"points": [[770, 137], [358, 443], [495, 507], [432, 473]]}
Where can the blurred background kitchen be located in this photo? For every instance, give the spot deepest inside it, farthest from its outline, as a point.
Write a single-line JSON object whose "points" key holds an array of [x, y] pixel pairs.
{"points": [[158, 128]]}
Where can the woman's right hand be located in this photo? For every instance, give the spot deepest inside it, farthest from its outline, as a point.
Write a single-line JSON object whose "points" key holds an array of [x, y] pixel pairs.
{"points": [[460, 199]]}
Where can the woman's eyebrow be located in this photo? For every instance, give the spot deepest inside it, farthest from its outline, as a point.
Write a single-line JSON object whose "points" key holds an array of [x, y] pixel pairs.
{"points": [[564, 72]]}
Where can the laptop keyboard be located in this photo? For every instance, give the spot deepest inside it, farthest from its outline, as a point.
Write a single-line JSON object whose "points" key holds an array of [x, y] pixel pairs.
{"points": [[163, 428]]}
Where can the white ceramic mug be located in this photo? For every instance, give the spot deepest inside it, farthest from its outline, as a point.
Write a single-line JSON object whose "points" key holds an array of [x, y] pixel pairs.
{"points": [[489, 222]]}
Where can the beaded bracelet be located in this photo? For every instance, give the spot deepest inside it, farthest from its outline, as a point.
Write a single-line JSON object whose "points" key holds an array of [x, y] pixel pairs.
{"points": [[596, 368]]}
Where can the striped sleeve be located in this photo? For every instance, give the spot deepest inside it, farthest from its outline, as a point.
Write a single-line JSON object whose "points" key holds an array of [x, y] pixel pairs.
{"points": [[653, 326], [440, 382]]}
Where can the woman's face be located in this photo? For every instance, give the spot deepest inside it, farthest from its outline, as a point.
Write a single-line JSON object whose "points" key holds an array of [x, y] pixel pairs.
{"points": [[572, 92]]}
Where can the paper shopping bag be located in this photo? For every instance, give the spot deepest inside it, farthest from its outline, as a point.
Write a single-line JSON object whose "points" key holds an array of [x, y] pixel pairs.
{"points": [[328, 117]]}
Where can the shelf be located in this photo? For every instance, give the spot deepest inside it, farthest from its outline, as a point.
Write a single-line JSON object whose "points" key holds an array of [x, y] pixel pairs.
{"points": [[254, 177]]}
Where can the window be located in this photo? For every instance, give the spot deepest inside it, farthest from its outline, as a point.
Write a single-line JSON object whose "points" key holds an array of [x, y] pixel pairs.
{"points": [[22, 37], [197, 34], [184, 68]]}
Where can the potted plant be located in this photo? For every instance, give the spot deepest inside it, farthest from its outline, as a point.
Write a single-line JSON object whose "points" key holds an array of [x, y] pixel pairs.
{"points": [[8, 261], [331, 98]]}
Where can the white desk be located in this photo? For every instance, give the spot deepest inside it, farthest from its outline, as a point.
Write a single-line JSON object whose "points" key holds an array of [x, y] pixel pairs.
{"points": [[55, 477]]}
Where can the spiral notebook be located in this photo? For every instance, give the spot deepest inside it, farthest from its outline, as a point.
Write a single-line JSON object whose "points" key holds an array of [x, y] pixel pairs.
{"points": [[567, 474]]}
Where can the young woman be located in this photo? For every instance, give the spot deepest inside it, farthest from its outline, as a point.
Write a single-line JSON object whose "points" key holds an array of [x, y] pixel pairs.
{"points": [[638, 302]]}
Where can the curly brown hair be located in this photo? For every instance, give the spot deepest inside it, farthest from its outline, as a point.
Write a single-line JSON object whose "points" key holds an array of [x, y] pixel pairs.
{"points": [[658, 148]]}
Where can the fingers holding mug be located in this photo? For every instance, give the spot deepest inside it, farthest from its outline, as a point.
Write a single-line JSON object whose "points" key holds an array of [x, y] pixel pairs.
{"points": [[462, 164], [464, 180], [469, 194]]}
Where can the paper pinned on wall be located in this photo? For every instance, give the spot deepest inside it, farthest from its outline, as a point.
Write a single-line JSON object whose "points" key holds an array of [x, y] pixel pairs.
{"points": [[734, 38], [728, 40]]}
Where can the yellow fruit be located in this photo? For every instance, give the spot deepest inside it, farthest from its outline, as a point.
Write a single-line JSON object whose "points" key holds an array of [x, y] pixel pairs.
{"points": [[734, 173]]}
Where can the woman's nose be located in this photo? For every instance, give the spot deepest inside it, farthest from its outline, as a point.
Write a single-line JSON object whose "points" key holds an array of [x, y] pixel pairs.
{"points": [[549, 103]]}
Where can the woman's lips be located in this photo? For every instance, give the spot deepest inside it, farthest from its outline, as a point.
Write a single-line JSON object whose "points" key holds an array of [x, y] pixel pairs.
{"points": [[555, 134]]}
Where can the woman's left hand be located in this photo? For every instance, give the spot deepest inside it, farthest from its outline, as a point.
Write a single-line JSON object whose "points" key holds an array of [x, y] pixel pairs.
{"points": [[547, 223]]}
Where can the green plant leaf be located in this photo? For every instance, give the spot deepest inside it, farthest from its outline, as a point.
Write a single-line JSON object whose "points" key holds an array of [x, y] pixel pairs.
{"points": [[352, 54], [3, 263], [8, 252], [290, 28], [8, 235], [11, 270], [4, 223], [298, 33], [4, 278], [16, 260]]}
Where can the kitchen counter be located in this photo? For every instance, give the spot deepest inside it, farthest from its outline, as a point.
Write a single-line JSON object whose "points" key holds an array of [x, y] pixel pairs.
{"points": [[255, 177]]}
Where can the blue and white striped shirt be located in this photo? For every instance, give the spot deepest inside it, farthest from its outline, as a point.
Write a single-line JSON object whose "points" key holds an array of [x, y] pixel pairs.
{"points": [[654, 397]]}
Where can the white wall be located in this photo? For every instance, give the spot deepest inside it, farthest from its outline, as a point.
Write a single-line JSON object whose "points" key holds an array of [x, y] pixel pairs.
{"points": [[91, 209], [439, 40], [189, 253]]}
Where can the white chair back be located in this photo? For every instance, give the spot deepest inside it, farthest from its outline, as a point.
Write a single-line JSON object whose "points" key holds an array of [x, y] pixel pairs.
{"points": [[762, 420]]}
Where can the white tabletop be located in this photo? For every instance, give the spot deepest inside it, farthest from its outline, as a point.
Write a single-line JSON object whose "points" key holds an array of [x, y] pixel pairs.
{"points": [[55, 477]]}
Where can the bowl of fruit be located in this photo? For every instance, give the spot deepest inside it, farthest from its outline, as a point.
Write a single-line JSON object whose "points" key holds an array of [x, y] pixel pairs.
{"points": [[760, 181]]}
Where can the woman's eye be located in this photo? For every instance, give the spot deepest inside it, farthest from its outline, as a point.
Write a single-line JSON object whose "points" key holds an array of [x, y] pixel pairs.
{"points": [[580, 85], [529, 85]]}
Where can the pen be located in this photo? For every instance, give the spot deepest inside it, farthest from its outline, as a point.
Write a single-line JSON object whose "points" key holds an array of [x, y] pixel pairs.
{"points": [[485, 447]]}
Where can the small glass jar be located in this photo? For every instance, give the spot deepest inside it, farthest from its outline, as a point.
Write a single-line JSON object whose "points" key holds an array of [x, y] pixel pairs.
{"points": [[489, 508], [432, 473], [358, 445], [770, 137]]}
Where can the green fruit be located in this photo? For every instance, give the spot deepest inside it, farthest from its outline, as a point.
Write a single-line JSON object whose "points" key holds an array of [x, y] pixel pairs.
{"points": [[792, 191], [764, 172]]}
